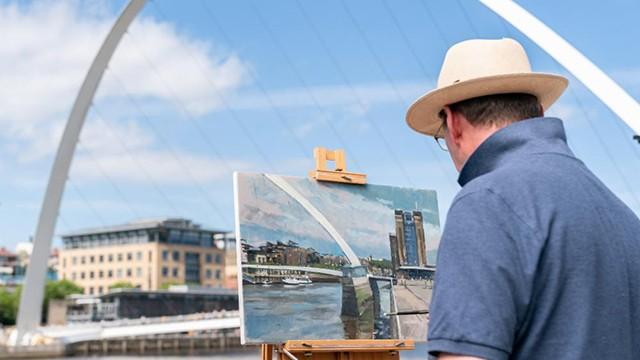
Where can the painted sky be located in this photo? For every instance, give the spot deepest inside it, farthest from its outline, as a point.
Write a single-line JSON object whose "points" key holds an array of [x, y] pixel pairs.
{"points": [[199, 89], [362, 215]]}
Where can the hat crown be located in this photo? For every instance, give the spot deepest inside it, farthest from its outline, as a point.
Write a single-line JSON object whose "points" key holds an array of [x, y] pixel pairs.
{"points": [[478, 58]]}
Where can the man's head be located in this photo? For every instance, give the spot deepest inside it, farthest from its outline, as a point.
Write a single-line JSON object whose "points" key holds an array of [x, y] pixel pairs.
{"points": [[466, 124], [483, 86]]}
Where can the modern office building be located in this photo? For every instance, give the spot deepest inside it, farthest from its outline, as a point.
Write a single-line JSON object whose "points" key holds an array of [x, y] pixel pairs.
{"points": [[148, 254], [408, 245]]}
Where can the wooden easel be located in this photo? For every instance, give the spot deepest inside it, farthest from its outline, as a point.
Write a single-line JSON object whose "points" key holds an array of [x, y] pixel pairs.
{"points": [[360, 349]]}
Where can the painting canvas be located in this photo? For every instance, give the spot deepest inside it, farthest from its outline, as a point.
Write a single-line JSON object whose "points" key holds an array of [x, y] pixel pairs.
{"points": [[324, 260]]}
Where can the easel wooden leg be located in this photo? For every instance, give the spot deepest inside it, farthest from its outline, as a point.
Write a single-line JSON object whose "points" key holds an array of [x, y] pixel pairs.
{"points": [[266, 351]]}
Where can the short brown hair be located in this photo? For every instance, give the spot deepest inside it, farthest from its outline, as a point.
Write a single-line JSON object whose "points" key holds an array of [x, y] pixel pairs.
{"points": [[500, 109]]}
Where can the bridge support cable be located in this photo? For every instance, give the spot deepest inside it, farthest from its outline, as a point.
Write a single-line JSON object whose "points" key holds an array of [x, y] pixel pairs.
{"points": [[405, 39], [96, 163], [171, 206], [394, 157], [223, 100], [179, 103], [173, 153], [323, 113]]}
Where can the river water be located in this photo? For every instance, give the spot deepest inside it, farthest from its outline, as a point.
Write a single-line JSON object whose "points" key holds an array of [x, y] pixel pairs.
{"points": [[282, 312]]}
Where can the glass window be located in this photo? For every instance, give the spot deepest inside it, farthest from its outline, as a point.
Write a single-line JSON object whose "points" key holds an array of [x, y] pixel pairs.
{"points": [[90, 274], [99, 289], [150, 255], [218, 274], [139, 272], [73, 276], [119, 257], [73, 260], [174, 236], [165, 271], [129, 256], [165, 255], [119, 273], [209, 273], [91, 290], [176, 256], [218, 259], [129, 272], [64, 262], [82, 260], [110, 274], [110, 258], [139, 255], [92, 259], [82, 275], [208, 258], [101, 258], [175, 272], [100, 274]]}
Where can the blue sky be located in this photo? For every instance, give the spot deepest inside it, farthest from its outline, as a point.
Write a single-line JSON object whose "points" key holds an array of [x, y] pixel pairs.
{"points": [[198, 90]]}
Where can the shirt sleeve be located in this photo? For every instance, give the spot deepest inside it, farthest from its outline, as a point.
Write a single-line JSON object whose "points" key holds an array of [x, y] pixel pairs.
{"points": [[482, 289]]}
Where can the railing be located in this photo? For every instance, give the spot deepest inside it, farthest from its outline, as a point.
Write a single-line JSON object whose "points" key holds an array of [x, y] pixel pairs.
{"points": [[164, 319]]}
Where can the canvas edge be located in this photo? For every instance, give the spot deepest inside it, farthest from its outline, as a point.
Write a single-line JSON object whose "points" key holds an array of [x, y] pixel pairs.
{"points": [[236, 204]]}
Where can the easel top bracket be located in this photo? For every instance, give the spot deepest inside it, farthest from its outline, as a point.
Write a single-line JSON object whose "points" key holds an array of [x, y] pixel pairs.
{"points": [[337, 175]]}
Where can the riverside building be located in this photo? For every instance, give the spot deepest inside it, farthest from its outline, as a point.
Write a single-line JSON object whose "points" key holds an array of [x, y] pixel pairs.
{"points": [[149, 254]]}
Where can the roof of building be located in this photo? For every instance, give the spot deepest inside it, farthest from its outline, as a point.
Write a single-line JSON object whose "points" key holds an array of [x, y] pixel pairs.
{"points": [[142, 224], [5, 252]]}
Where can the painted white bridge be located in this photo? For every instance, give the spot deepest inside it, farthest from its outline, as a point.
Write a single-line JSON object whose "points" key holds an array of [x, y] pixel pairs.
{"points": [[315, 270]]}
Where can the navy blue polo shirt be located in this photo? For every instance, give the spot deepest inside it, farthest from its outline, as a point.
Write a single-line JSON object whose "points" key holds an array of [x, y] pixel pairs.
{"points": [[538, 259]]}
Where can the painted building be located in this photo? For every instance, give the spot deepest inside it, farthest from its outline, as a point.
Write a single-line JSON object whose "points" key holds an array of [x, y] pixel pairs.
{"points": [[148, 254], [408, 245]]}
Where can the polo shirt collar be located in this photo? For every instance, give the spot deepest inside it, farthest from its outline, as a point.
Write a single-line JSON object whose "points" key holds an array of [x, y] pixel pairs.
{"points": [[537, 135]]}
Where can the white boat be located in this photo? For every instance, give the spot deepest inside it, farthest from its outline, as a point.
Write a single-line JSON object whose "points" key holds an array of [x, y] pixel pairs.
{"points": [[303, 280]]}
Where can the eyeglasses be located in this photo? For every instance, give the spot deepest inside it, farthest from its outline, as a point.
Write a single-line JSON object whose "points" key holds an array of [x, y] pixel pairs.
{"points": [[439, 135]]}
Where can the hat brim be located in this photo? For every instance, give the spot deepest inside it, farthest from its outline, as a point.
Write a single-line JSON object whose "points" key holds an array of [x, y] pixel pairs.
{"points": [[422, 115]]}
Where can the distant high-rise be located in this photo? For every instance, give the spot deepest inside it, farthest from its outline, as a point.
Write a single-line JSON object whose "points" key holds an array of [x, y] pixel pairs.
{"points": [[408, 245]]}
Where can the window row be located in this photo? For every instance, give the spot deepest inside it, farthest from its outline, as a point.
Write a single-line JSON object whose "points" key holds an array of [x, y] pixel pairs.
{"points": [[106, 274], [175, 273], [175, 256], [92, 259]]}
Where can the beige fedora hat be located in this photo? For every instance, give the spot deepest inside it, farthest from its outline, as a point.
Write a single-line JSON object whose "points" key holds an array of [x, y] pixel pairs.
{"points": [[482, 67]]}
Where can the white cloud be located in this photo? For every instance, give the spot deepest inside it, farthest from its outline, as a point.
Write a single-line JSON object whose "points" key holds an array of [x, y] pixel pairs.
{"points": [[48, 47], [125, 151]]}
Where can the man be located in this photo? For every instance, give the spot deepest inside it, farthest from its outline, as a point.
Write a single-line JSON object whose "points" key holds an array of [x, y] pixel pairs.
{"points": [[538, 259]]}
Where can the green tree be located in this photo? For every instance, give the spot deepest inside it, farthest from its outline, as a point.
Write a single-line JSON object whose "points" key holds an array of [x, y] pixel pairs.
{"points": [[122, 285], [58, 290], [166, 285], [9, 300]]}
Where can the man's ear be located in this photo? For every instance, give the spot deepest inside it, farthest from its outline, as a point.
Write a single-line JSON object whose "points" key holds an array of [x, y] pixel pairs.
{"points": [[454, 123]]}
